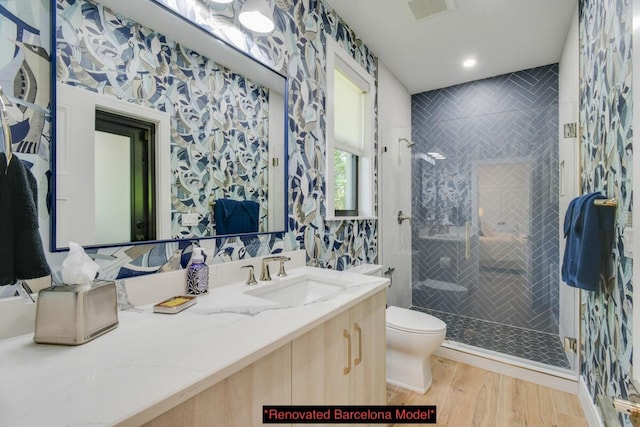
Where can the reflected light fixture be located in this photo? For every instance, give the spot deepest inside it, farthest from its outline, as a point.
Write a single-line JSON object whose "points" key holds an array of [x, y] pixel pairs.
{"points": [[220, 1], [256, 15]]}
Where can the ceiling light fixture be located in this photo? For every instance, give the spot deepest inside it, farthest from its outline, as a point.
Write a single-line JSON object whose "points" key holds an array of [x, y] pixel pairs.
{"points": [[469, 63], [256, 15], [220, 1]]}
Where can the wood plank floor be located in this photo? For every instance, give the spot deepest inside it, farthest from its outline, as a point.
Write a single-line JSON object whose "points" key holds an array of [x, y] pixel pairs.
{"points": [[468, 396]]}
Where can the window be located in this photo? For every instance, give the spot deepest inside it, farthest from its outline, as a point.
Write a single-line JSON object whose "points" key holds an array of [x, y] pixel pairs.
{"points": [[350, 154]]}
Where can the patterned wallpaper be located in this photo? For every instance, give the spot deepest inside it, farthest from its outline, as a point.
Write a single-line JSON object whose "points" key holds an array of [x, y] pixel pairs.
{"points": [[296, 48], [606, 150], [219, 119]]}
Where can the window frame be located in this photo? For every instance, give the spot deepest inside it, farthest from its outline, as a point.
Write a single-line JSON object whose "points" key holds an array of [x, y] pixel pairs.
{"points": [[338, 58]]}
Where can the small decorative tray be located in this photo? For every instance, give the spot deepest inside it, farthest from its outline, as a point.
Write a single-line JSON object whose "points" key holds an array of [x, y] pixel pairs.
{"points": [[174, 304]]}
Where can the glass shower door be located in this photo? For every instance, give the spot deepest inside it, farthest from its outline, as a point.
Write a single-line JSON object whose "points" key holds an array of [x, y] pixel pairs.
{"points": [[486, 246], [443, 230]]}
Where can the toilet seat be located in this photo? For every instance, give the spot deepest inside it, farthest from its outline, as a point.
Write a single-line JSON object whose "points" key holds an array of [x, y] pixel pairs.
{"points": [[416, 322]]}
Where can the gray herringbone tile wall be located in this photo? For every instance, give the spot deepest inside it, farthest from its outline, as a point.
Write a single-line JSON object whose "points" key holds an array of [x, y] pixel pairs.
{"points": [[498, 178]]}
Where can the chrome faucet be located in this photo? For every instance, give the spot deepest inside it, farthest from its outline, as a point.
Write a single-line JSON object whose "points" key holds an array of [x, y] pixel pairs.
{"points": [[265, 274]]}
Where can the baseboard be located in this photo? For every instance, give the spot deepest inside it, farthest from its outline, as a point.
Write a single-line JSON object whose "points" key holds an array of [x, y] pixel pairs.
{"points": [[591, 411], [566, 382]]}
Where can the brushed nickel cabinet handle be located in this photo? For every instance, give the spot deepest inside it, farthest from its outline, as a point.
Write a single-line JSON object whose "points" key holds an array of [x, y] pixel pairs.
{"points": [[358, 359], [347, 335]]}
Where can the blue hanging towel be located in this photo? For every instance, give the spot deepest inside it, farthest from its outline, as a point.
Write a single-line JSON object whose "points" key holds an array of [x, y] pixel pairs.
{"points": [[236, 216], [587, 230], [21, 252]]}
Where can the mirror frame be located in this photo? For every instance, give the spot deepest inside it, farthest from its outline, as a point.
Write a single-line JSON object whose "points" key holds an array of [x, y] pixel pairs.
{"points": [[171, 24]]}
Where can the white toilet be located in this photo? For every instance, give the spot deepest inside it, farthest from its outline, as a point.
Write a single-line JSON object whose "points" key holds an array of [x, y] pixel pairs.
{"points": [[412, 337]]}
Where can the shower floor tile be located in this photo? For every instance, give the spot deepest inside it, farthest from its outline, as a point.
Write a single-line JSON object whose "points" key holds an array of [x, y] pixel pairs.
{"points": [[532, 345]]}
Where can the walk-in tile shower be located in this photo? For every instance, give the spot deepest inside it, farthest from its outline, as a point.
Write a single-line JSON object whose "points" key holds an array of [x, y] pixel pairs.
{"points": [[485, 210]]}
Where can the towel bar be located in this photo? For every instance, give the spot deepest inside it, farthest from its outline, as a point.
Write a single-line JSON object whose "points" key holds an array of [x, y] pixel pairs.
{"points": [[609, 203]]}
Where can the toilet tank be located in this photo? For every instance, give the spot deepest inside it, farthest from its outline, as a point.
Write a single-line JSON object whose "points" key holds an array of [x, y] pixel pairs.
{"points": [[368, 269]]}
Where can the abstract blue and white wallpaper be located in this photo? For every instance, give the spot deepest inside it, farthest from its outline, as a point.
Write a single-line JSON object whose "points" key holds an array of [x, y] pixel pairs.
{"points": [[606, 110], [219, 119], [295, 48]]}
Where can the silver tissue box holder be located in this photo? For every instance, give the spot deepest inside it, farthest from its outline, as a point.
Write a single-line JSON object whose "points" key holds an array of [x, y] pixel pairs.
{"points": [[75, 314]]}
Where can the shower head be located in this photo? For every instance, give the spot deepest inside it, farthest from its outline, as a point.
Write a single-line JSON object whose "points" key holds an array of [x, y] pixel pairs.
{"points": [[409, 143]]}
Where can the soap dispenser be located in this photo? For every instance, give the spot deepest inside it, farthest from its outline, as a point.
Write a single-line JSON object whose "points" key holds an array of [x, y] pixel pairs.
{"points": [[197, 274]]}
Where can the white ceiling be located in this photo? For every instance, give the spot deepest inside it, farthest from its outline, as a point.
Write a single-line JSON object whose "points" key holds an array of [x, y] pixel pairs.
{"points": [[502, 35]]}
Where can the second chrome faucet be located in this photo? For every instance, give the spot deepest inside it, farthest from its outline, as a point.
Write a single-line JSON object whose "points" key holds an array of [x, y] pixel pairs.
{"points": [[265, 274]]}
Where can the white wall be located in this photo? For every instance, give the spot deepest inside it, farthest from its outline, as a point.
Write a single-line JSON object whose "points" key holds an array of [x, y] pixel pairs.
{"points": [[635, 233], [394, 115], [569, 169]]}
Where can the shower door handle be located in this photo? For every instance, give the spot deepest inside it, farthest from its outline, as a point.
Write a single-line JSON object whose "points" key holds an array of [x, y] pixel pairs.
{"points": [[562, 178], [467, 240]]}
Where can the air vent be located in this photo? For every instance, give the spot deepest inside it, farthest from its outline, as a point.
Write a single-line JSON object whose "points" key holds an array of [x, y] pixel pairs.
{"points": [[422, 9]]}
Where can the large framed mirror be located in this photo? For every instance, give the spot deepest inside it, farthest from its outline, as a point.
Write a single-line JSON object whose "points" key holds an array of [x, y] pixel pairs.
{"points": [[163, 131]]}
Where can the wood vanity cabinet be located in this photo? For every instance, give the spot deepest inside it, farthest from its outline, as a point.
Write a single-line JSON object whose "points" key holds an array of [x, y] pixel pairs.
{"points": [[340, 362], [369, 382], [237, 400]]}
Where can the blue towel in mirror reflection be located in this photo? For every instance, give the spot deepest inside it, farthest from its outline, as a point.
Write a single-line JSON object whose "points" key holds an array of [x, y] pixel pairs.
{"points": [[587, 230], [236, 216]]}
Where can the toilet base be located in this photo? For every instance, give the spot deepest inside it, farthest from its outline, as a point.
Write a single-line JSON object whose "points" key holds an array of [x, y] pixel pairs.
{"points": [[410, 372]]}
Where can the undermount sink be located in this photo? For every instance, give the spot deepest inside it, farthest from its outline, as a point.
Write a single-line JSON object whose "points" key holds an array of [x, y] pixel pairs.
{"points": [[298, 290]]}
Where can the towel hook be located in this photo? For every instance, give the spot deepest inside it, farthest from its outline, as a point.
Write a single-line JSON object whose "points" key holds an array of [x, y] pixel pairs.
{"points": [[6, 132]]}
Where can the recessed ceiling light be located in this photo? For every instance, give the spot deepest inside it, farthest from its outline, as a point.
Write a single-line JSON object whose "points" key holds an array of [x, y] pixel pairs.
{"points": [[469, 63]]}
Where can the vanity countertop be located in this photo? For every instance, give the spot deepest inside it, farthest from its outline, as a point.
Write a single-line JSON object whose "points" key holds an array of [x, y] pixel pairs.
{"points": [[153, 362]]}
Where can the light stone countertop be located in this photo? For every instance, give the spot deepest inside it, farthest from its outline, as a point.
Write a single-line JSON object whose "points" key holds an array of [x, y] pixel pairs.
{"points": [[153, 362]]}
